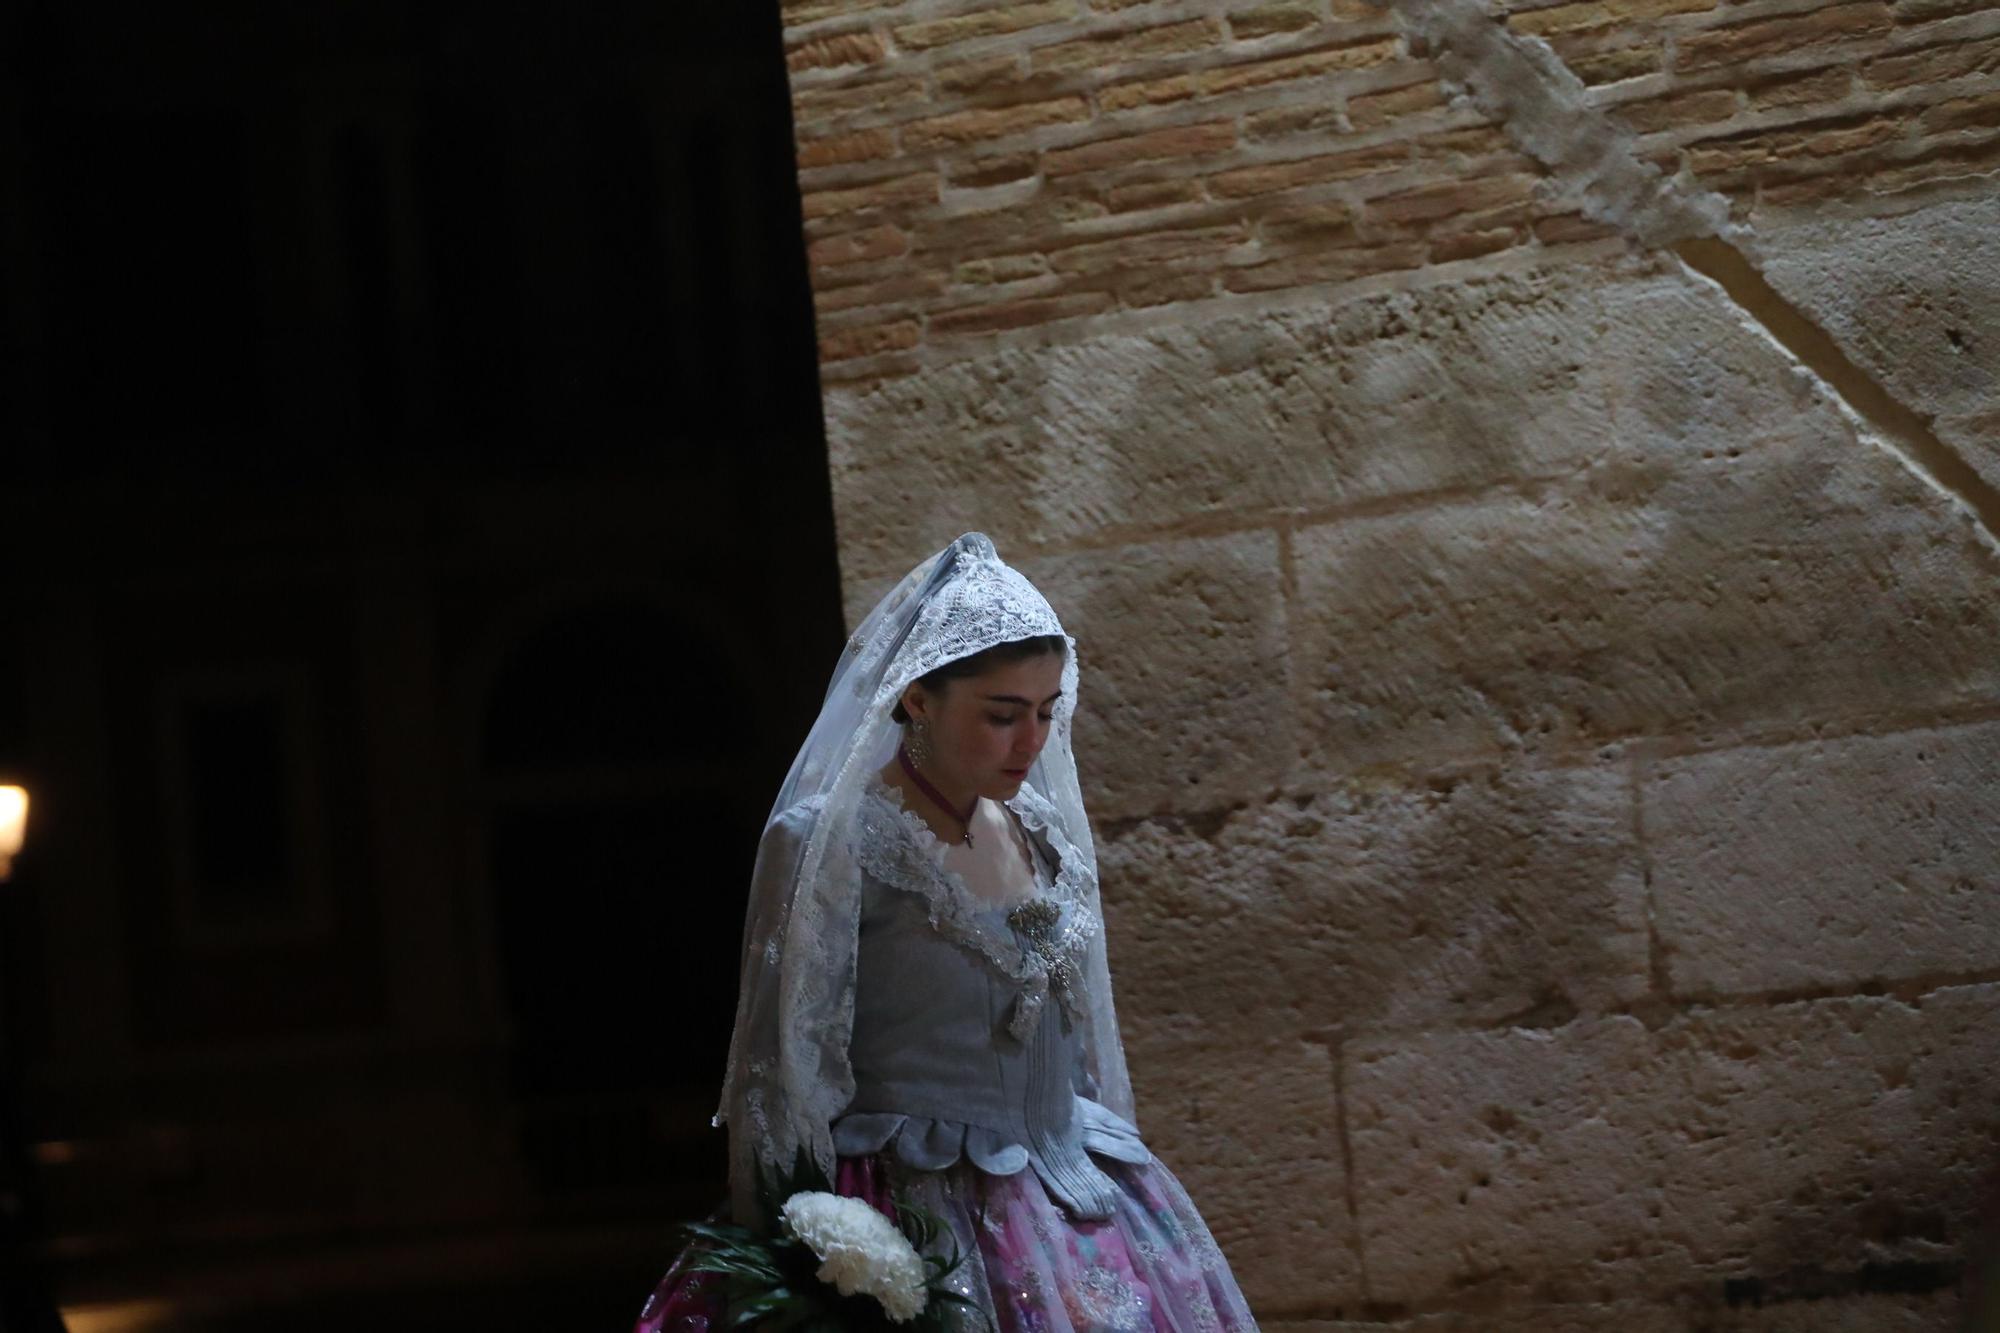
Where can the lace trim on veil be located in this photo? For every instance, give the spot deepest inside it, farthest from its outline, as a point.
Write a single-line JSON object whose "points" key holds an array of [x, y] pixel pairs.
{"points": [[897, 847]]}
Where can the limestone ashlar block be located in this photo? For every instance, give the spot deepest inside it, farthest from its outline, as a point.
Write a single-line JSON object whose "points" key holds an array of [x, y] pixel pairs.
{"points": [[1742, 558], [1246, 1122], [1928, 333], [1828, 863], [1445, 388], [1385, 904], [1759, 1143], [1183, 701]]}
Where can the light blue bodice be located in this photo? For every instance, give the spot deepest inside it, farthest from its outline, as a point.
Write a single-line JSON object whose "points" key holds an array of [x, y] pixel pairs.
{"points": [[953, 1055]]}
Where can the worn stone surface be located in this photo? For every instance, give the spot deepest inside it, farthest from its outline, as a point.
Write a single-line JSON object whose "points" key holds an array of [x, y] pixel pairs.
{"points": [[1446, 837], [1933, 1312], [1930, 1312], [1383, 903], [1401, 393], [1612, 1317], [1829, 863], [1182, 697], [1928, 332], [1742, 558], [1619, 1316], [1606, 1158], [1239, 1152]]}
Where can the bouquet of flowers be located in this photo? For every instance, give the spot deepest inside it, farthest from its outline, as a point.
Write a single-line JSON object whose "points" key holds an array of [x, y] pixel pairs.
{"points": [[831, 1264]]}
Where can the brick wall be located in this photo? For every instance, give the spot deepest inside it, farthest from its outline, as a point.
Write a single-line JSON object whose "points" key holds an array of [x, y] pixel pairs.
{"points": [[1525, 481], [1025, 164]]}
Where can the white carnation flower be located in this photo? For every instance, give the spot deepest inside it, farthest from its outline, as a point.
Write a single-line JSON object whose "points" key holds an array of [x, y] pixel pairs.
{"points": [[861, 1251]]}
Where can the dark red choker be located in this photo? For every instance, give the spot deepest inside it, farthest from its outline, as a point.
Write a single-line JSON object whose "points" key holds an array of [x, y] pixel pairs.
{"points": [[903, 758]]}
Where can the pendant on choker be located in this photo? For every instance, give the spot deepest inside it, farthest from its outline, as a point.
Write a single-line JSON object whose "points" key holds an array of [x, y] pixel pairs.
{"points": [[937, 797]]}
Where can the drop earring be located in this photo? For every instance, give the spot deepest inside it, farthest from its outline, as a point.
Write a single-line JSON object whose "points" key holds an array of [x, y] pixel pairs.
{"points": [[918, 742]]}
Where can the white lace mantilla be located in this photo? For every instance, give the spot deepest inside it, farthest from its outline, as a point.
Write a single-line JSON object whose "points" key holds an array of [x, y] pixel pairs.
{"points": [[985, 602], [898, 848]]}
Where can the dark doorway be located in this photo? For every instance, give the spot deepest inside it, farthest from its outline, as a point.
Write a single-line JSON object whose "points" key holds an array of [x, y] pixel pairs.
{"points": [[418, 500]]}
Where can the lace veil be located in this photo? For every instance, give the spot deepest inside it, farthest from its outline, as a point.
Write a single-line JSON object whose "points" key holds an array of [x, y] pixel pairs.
{"points": [[789, 1076]]}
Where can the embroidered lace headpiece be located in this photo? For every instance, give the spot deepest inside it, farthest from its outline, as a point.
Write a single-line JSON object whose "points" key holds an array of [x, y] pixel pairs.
{"points": [[789, 1074]]}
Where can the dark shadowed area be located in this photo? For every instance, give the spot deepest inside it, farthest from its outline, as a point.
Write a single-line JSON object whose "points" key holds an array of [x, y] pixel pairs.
{"points": [[420, 570]]}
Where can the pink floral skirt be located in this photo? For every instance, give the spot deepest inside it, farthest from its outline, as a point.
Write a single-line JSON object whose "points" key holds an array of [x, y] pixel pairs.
{"points": [[1151, 1267]]}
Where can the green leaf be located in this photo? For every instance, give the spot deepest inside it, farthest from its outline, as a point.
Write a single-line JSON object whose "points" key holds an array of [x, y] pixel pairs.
{"points": [[728, 1237]]}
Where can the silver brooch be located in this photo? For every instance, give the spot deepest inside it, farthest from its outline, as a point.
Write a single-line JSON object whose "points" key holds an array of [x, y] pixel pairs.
{"points": [[1038, 919]]}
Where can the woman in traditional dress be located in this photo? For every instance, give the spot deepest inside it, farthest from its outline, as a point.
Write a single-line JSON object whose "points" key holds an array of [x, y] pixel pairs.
{"points": [[925, 1004]]}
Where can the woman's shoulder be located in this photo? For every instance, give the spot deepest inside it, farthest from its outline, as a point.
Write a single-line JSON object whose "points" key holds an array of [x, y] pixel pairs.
{"points": [[871, 817], [790, 827]]}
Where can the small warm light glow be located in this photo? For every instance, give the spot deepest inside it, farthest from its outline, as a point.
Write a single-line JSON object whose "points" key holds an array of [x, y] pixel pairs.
{"points": [[13, 826], [55, 1152], [118, 1317]]}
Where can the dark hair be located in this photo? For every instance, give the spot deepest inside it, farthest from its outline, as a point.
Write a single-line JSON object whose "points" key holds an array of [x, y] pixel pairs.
{"points": [[1000, 654]]}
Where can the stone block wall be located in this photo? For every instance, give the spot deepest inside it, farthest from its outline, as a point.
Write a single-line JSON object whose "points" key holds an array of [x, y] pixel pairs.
{"points": [[1523, 477]]}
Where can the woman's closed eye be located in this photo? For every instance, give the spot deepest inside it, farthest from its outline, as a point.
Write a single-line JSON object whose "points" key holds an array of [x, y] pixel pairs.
{"points": [[1009, 720]]}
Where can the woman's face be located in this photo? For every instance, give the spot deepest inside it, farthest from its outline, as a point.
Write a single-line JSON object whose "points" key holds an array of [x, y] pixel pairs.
{"points": [[987, 729]]}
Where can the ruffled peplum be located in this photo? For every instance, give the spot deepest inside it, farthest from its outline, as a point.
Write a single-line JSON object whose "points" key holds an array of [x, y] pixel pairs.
{"points": [[930, 1143]]}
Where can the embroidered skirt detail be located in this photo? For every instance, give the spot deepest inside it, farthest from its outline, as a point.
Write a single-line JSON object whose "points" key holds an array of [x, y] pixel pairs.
{"points": [[1152, 1267]]}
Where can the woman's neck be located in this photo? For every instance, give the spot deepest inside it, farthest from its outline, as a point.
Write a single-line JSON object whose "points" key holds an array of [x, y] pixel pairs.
{"points": [[949, 825]]}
